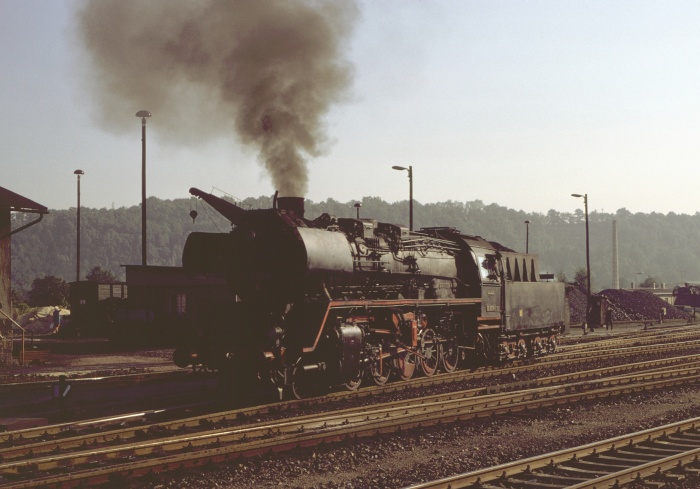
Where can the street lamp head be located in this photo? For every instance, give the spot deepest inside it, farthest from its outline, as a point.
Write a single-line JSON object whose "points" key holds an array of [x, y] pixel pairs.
{"points": [[527, 222], [358, 205], [143, 114], [576, 195], [79, 172], [410, 193]]}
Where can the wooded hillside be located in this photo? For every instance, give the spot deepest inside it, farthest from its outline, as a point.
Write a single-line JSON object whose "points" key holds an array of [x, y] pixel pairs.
{"points": [[665, 247]]}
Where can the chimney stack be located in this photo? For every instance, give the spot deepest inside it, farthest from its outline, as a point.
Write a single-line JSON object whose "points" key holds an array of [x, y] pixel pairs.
{"points": [[291, 204]]}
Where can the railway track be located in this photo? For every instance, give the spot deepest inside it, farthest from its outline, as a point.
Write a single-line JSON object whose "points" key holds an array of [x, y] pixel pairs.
{"points": [[572, 358], [621, 332], [529, 367], [144, 420], [97, 396], [630, 333], [99, 457], [115, 380], [654, 456], [637, 338]]}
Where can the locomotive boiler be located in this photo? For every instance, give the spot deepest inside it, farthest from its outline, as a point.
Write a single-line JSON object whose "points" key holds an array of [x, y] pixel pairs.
{"points": [[332, 301]]}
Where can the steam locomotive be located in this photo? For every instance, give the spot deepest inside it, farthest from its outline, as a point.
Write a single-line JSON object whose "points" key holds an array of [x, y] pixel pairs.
{"points": [[317, 304]]}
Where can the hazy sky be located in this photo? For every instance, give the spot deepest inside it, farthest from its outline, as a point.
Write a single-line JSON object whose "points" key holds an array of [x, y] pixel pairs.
{"points": [[520, 103]]}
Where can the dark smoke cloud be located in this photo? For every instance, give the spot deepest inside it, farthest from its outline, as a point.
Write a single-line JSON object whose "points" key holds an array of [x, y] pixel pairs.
{"points": [[267, 69]]}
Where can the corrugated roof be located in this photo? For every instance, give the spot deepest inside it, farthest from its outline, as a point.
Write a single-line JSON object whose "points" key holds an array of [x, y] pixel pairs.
{"points": [[18, 203]]}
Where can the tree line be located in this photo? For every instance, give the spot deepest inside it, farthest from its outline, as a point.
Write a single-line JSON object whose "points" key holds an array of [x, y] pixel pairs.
{"points": [[653, 248]]}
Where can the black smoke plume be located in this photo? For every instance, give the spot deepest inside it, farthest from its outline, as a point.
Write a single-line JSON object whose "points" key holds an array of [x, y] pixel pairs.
{"points": [[267, 69]]}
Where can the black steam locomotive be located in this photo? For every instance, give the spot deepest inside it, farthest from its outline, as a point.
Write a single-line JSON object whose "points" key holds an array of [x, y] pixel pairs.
{"points": [[337, 301]]}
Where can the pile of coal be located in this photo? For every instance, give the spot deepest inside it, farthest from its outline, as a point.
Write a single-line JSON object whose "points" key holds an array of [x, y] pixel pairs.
{"points": [[639, 305], [626, 305], [576, 297]]}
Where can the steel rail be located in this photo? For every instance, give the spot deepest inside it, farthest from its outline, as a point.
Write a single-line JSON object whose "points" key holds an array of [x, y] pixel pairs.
{"points": [[630, 446], [598, 346], [529, 364], [125, 379], [125, 434], [680, 332], [632, 335], [604, 346], [443, 379], [51, 446], [642, 472], [627, 333], [281, 436], [525, 366], [636, 340], [22, 436]]}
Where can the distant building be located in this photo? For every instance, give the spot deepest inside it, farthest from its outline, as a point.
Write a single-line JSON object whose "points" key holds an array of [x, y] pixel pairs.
{"points": [[663, 293], [688, 297], [11, 202], [152, 305], [93, 306], [163, 300]]}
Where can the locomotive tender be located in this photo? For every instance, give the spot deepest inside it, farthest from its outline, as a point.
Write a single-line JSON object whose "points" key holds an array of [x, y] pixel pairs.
{"points": [[335, 301]]}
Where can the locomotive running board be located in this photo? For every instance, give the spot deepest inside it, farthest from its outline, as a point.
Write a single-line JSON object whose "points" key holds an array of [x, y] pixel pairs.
{"points": [[413, 303], [403, 303]]}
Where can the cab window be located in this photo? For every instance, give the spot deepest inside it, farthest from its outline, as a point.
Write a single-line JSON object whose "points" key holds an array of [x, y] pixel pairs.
{"points": [[487, 267]]}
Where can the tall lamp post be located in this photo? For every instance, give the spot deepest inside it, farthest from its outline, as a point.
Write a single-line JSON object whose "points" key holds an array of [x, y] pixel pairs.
{"points": [[77, 173], [410, 193], [588, 257], [143, 114], [527, 236]]}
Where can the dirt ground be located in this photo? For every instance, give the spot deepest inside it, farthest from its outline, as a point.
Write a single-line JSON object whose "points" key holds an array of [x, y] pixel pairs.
{"points": [[85, 365]]}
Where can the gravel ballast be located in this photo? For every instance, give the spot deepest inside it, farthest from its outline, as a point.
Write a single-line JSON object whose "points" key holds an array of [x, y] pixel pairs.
{"points": [[399, 460]]}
